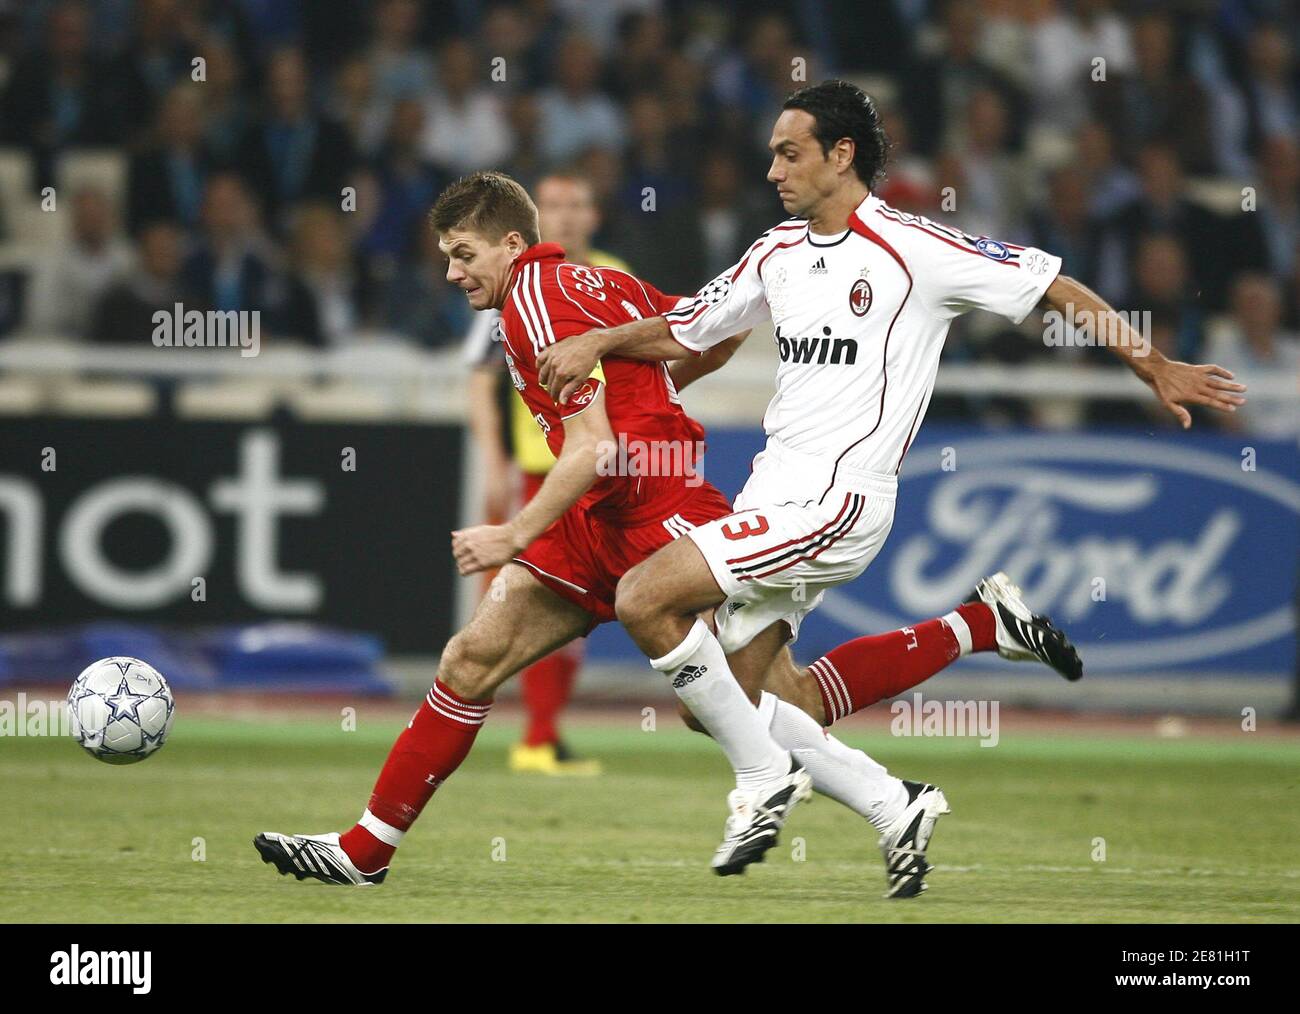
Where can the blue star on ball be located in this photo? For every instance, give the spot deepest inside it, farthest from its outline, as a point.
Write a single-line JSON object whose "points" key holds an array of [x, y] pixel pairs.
{"points": [[126, 704]]}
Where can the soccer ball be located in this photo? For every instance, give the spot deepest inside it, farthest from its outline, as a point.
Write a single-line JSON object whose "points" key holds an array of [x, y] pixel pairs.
{"points": [[120, 710]]}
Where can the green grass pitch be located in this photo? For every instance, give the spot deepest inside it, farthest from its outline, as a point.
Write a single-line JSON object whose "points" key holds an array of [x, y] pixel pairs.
{"points": [[1194, 830]]}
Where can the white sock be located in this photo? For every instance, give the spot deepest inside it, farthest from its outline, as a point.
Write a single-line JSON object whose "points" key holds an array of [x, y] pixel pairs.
{"points": [[846, 775], [704, 682]]}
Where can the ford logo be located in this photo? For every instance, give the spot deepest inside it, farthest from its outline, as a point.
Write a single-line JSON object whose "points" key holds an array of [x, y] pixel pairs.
{"points": [[1153, 554]]}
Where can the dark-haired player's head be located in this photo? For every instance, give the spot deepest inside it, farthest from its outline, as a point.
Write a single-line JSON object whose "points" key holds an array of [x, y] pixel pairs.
{"points": [[484, 222], [827, 137]]}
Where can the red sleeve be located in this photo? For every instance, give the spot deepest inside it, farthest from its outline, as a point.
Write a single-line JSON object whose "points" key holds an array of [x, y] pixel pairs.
{"points": [[566, 325], [559, 305], [526, 333], [662, 303], [582, 398], [515, 338], [647, 300]]}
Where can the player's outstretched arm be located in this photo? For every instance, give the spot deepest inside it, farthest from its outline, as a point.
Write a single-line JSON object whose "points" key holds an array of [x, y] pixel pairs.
{"points": [[1175, 384], [563, 367], [587, 437]]}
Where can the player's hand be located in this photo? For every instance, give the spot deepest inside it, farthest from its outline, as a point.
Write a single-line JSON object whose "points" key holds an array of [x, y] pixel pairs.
{"points": [[562, 367], [1177, 384], [484, 547]]}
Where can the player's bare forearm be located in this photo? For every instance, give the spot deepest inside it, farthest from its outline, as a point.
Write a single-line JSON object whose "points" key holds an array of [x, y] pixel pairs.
{"points": [[650, 340], [1175, 384], [687, 371], [563, 367], [572, 475], [1069, 296], [586, 436], [486, 546]]}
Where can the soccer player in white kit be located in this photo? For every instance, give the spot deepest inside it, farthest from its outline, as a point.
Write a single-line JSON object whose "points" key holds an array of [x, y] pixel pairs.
{"points": [[861, 296]]}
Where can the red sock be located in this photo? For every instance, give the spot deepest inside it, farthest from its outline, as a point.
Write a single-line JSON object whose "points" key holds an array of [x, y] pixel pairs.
{"points": [[859, 673], [546, 686], [429, 749]]}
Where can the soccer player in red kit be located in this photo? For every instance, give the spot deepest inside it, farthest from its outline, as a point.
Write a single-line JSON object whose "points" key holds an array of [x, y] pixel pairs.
{"points": [[512, 447], [607, 504]]}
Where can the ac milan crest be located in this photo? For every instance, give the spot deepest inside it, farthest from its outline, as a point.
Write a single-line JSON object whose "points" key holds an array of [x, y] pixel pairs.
{"points": [[860, 297]]}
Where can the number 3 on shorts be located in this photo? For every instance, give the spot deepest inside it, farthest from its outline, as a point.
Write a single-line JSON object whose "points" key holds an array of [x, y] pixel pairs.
{"points": [[755, 525]]}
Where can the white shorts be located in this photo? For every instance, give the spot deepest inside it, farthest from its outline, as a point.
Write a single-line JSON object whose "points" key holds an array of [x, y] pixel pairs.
{"points": [[790, 539]]}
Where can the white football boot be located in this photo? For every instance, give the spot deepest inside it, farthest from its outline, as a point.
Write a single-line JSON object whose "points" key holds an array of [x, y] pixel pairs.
{"points": [[314, 855], [757, 816], [904, 842], [1023, 635]]}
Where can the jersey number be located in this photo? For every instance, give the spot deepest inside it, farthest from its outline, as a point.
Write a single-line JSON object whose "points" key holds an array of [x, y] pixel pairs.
{"points": [[744, 529], [588, 282]]}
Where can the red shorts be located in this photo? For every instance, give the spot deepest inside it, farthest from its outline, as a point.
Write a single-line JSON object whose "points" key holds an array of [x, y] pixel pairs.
{"points": [[581, 557]]}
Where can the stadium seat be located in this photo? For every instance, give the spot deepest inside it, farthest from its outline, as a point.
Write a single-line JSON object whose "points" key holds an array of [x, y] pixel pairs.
{"points": [[342, 400], [116, 398], [21, 395], [228, 399]]}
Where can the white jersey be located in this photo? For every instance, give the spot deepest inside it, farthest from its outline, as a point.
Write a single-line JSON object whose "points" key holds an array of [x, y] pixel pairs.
{"points": [[860, 321], [479, 346]]}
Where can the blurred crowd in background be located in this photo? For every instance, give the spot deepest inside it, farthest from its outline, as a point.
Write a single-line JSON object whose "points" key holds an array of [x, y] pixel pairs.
{"points": [[1152, 145]]}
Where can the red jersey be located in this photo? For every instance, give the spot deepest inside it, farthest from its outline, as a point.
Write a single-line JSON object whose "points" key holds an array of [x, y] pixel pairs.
{"points": [[550, 300]]}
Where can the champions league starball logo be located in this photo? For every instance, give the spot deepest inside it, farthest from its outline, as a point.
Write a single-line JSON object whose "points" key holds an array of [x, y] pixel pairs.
{"points": [[716, 291]]}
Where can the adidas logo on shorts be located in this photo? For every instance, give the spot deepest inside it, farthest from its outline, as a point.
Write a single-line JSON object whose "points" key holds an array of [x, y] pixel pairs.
{"points": [[689, 674]]}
